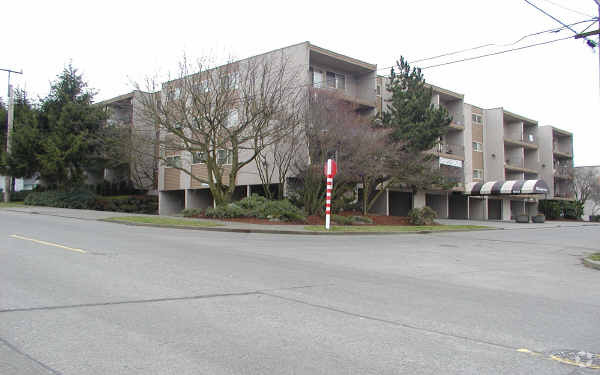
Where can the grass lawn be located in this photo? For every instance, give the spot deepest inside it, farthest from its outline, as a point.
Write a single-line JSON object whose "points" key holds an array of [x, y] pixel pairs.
{"points": [[595, 257], [11, 204], [394, 228], [166, 221]]}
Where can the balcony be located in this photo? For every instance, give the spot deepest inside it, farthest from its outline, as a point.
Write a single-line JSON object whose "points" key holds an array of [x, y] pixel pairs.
{"points": [[524, 141], [515, 164], [449, 151], [344, 95], [563, 172], [458, 123], [561, 153]]}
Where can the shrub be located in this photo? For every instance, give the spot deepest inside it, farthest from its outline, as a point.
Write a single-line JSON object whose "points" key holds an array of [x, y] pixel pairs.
{"points": [[422, 216], [82, 199], [192, 212], [341, 220], [362, 219], [351, 220], [595, 218], [259, 207], [142, 204], [19, 196], [226, 211]]}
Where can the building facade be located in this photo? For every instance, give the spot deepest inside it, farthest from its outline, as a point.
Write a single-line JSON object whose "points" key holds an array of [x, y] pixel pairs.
{"points": [[499, 157]]}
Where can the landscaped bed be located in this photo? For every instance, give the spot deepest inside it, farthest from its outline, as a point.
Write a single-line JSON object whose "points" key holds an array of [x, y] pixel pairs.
{"points": [[396, 228]]}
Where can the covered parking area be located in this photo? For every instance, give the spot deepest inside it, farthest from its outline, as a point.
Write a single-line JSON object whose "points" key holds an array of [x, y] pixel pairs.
{"points": [[503, 200]]}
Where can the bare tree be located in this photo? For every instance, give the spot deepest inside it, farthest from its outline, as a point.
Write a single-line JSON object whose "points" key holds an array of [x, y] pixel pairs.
{"points": [[584, 182], [276, 162], [223, 117]]}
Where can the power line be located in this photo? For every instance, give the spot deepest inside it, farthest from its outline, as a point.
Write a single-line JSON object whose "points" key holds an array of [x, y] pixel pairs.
{"points": [[554, 30], [559, 21], [498, 53], [566, 8]]}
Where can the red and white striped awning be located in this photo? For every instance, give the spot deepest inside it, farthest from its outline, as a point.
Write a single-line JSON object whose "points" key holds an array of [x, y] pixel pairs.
{"points": [[511, 187]]}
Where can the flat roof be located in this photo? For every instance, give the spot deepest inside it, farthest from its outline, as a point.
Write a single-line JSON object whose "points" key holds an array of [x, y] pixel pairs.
{"points": [[116, 99], [327, 56], [447, 93]]}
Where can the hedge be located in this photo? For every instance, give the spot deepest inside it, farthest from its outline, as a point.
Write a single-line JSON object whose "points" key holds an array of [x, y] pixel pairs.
{"points": [[555, 209], [84, 199]]}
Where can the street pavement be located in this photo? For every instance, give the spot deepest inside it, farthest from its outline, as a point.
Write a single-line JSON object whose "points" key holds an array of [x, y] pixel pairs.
{"points": [[87, 297]]}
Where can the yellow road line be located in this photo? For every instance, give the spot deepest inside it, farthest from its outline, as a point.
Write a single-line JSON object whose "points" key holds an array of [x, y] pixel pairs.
{"points": [[558, 359], [48, 243]]}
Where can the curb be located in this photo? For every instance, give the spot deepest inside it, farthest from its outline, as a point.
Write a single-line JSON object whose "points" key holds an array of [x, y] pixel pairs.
{"points": [[591, 263], [287, 232]]}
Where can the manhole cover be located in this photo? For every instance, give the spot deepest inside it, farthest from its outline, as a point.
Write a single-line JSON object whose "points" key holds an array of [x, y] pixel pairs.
{"points": [[577, 358]]}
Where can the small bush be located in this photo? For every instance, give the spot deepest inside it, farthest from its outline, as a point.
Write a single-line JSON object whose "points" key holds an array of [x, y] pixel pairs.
{"points": [[422, 216], [19, 196], [362, 219], [342, 220], [192, 212], [258, 207], [141, 204]]}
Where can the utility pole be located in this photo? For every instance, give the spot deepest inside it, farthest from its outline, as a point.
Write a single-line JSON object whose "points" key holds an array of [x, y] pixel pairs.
{"points": [[8, 179]]}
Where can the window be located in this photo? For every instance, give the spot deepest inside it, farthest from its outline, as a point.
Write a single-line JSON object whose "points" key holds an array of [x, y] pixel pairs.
{"points": [[477, 118], [232, 119], [331, 79], [198, 158], [174, 162], [204, 86], [316, 77], [477, 147], [224, 157], [336, 81], [234, 80], [477, 174], [340, 81], [177, 93]]}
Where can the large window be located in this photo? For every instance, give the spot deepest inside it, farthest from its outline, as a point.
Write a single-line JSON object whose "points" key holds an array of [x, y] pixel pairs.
{"points": [[477, 147], [336, 81], [477, 174], [316, 77], [198, 158], [174, 162], [477, 119], [224, 157]]}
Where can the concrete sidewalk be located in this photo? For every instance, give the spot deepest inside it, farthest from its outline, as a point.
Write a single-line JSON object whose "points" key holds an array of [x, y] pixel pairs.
{"points": [[274, 228]]}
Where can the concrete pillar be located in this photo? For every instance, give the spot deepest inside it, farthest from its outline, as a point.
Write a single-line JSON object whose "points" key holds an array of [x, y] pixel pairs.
{"points": [[248, 190], [387, 202], [506, 209], [419, 200]]}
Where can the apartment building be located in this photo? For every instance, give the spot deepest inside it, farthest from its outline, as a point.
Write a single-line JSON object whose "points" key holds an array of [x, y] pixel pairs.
{"points": [[141, 164], [504, 163]]}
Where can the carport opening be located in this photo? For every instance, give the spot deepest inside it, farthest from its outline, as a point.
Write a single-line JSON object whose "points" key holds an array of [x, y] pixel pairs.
{"points": [[400, 203]]}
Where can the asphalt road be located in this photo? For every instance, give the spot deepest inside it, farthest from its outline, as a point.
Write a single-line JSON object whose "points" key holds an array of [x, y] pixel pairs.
{"points": [[114, 299]]}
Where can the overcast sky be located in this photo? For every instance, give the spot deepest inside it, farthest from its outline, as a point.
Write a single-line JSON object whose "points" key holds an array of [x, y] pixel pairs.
{"points": [[116, 42]]}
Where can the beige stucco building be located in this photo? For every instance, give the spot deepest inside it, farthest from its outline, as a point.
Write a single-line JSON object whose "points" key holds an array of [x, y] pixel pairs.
{"points": [[483, 147]]}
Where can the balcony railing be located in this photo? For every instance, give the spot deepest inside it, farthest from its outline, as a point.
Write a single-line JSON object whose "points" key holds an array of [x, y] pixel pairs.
{"points": [[563, 171], [449, 149], [556, 149], [514, 161]]}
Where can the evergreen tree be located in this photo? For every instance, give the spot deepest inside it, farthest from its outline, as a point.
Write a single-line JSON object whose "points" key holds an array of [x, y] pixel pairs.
{"points": [[24, 138], [414, 120], [68, 124]]}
